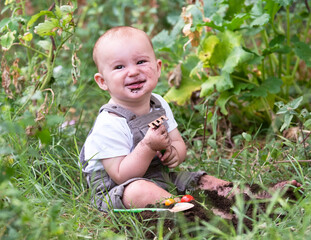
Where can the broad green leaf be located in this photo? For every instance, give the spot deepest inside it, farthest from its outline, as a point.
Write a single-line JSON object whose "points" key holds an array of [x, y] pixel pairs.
{"points": [[183, 93], [235, 7], [236, 57], [222, 101], [221, 83], [228, 41], [162, 40], [303, 51], [206, 49], [261, 20], [7, 40], [188, 84], [273, 84], [47, 28], [270, 85], [35, 17], [4, 22]]}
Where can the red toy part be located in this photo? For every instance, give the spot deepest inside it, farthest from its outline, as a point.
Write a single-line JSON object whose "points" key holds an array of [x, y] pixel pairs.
{"points": [[187, 198]]}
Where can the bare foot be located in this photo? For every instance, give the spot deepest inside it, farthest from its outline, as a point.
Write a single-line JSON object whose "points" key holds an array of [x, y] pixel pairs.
{"points": [[284, 186], [222, 187]]}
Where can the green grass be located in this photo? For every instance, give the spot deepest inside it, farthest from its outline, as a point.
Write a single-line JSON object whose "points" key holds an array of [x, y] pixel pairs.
{"points": [[45, 197]]}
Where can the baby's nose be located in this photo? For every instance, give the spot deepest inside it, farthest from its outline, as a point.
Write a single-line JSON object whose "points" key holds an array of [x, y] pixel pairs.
{"points": [[133, 70]]}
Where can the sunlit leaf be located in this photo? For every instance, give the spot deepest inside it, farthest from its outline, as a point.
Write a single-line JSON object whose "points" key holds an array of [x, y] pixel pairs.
{"points": [[7, 40], [261, 20], [47, 28], [207, 47], [236, 57], [188, 84], [228, 41], [28, 37], [35, 17]]}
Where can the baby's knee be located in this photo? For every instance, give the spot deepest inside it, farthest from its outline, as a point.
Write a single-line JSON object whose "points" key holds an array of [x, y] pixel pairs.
{"points": [[142, 192]]}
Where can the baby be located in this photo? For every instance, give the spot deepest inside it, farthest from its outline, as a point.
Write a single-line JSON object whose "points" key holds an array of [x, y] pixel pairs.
{"points": [[128, 164]]}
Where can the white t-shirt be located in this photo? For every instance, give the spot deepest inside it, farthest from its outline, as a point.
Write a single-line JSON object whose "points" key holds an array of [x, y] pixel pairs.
{"points": [[112, 137]]}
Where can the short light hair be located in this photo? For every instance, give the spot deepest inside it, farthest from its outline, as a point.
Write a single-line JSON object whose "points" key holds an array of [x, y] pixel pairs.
{"points": [[120, 31]]}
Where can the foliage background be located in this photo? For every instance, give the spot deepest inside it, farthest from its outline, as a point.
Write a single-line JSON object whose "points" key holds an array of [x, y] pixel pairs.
{"points": [[236, 73]]}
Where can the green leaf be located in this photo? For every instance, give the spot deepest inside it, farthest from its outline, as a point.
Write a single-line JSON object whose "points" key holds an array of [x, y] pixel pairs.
{"points": [[272, 8], [273, 84], [288, 108], [247, 136], [287, 120], [284, 2], [188, 84], [303, 51], [7, 40], [44, 44], [307, 124], [35, 17], [44, 136], [261, 20], [237, 21], [236, 57], [206, 49], [47, 28], [235, 7], [222, 101], [183, 93], [4, 23], [228, 41], [221, 83]]}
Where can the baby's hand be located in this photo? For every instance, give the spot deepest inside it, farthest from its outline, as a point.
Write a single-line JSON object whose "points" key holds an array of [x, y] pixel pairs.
{"points": [[170, 158], [157, 138]]}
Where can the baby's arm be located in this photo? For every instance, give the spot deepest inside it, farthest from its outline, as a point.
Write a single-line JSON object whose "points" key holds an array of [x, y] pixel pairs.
{"points": [[136, 163], [175, 154]]}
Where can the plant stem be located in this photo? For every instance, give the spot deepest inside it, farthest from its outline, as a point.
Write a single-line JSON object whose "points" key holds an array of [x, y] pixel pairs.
{"points": [[288, 41], [265, 37]]}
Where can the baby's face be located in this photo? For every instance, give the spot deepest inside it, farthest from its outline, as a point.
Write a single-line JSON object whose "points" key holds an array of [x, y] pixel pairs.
{"points": [[128, 67]]}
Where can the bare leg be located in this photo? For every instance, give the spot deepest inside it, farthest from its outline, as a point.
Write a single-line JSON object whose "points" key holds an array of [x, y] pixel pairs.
{"points": [[225, 188], [141, 193]]}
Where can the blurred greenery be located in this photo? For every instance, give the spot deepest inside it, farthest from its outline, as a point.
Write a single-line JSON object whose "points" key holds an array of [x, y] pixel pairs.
{"points": [[236, 74]]}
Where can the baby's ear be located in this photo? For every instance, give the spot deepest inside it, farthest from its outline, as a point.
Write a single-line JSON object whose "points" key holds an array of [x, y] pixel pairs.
{"points": [[100, 81]]}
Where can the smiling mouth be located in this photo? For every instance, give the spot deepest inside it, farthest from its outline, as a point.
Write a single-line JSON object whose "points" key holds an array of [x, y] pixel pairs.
{"points": [[135, 86]]}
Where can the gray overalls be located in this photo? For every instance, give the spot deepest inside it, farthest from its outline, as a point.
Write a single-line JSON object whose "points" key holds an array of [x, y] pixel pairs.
{"points": [[106, 193]]}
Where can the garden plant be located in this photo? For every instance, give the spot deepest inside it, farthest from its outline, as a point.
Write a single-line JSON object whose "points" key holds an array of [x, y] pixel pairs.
{"points": [[236, 74]]}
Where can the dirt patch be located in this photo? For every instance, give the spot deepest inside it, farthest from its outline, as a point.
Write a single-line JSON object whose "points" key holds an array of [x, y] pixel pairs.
{"points": [[215, 205]]}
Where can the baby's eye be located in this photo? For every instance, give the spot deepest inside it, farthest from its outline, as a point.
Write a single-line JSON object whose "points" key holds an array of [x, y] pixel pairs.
{"points": [[119, 67], [141, 61]]}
